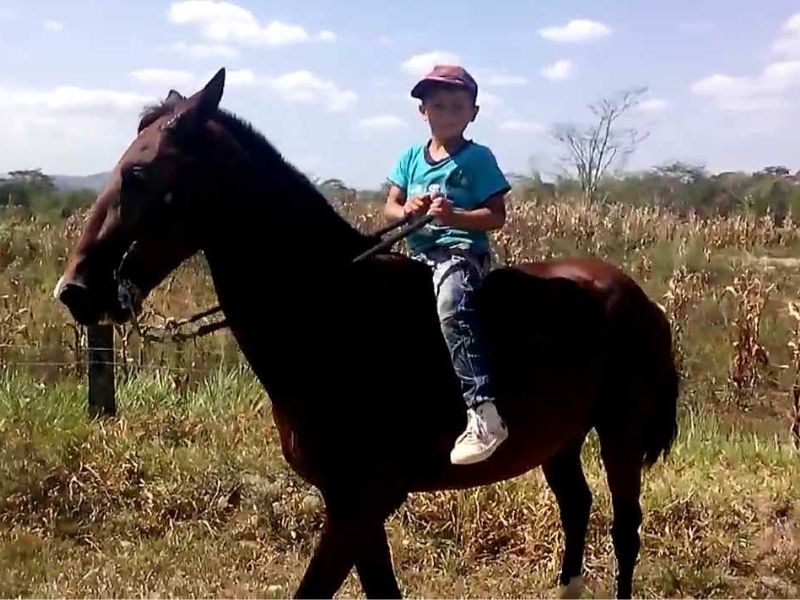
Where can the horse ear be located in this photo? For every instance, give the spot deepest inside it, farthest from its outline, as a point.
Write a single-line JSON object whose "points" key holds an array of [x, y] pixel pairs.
{"points": [[204, 104], [174, 97], [210, 96]]}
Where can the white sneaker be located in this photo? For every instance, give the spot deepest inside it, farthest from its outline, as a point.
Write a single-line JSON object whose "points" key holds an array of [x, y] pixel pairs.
{"points": [[484, 433]]}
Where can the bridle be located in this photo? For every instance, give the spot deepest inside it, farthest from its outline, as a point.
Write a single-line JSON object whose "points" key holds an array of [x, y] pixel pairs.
{"points": [[129, 295]]}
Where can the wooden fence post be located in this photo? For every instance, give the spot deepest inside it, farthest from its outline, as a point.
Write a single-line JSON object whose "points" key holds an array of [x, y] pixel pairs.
{"points": [[102, 395]]}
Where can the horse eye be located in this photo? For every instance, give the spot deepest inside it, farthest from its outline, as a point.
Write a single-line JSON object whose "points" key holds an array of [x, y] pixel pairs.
{"points": [[134, 175]]}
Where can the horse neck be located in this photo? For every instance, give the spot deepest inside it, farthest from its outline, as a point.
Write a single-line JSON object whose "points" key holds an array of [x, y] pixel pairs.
{"points": [[294, 254], [276, 222]]}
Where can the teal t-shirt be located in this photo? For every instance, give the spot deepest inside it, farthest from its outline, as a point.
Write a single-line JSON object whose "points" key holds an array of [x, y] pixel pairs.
{"points": [[468, 179]]}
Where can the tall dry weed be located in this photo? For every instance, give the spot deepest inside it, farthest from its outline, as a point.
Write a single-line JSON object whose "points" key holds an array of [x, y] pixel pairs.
{"points": [[750, 294], [685, 290], [794, 345]]}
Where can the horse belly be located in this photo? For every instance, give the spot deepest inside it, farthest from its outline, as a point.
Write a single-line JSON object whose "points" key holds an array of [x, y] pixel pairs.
{"points": [[539, 425]]}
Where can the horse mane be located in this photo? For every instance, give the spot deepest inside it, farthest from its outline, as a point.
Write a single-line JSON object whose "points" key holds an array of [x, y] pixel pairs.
{"points": [[262, 152], [253, 141]]}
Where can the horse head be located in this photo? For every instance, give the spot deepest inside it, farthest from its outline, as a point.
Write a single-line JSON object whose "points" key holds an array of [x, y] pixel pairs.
{"points": [[144, 223]]}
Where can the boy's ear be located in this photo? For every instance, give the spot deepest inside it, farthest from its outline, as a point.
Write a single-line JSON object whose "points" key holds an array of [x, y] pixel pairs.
{"points": [[421, 109]]}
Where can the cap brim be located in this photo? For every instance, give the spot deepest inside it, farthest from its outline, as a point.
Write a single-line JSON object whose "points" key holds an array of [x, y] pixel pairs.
{"points": [[418, 90]]}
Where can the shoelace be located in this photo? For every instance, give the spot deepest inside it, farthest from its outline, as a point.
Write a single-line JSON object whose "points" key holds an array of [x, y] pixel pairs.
{"points": [[476, 427]]}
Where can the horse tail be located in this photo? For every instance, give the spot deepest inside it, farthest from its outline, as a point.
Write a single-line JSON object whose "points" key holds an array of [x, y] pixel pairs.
{"points": [[661, 426]]}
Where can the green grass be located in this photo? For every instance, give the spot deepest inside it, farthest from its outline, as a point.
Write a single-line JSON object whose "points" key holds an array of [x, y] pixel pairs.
{"points": [[188, 495]]}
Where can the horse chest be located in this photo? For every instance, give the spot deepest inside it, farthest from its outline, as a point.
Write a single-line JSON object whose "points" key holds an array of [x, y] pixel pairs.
{"points": [[289, 443]]}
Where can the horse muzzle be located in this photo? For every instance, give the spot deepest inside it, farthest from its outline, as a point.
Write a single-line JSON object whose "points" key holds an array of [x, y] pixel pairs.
{"points": [[78, 299]]}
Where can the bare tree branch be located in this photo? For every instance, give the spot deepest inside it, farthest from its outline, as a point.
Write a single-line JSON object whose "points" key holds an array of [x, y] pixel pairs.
{"points": [[594, 149]]}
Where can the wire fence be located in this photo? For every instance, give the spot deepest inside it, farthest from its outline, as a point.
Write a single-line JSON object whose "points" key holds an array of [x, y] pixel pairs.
{"points": [[100, 362], [101, 356]]}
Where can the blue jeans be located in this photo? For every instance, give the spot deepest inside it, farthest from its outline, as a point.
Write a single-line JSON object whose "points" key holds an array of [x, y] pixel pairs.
{"points": [[457, 274]]}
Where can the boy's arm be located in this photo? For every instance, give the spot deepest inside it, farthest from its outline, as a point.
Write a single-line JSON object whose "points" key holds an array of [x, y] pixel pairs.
{"points": [[393, 209], [489, 182], [489, 216], [397, 207]]}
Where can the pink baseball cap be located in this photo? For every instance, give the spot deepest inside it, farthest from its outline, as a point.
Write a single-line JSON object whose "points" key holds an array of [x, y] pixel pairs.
{"points": [[449, 74]]}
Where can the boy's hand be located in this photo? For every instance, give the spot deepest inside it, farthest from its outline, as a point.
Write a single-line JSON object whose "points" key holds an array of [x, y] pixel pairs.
{"points": [[417, 205], [442, 209]]}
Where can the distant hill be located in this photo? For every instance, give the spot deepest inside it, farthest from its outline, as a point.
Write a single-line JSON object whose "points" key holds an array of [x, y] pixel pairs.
{"points": [[71, 183]]}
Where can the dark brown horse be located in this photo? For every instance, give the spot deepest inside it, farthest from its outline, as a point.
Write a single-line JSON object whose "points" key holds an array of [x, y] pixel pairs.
{"points": [[574, 344]]}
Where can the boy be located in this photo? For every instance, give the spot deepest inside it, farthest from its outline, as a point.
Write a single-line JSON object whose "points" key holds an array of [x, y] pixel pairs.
{"points": [[458, 182]]}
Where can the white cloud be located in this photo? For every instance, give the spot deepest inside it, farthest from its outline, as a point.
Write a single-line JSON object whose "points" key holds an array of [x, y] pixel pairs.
{"points": [[5, 13], [274, 33], [490, 104], [202, 11], [381, 123], [521, 125], [299, 86], [72, 99], [306, 88], [204, 50], [495, 78], [420, 64], [558, 71], [67, 128], [386, 40], [761, 92], [239, 77], [53, 26], [576, 31], [653, 105], [222, 22], [788, 44], [793, 23], [487, 99], [164, 77]]}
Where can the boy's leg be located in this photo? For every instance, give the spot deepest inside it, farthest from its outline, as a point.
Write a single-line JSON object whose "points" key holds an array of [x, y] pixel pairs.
{"points": [[457, 277]]}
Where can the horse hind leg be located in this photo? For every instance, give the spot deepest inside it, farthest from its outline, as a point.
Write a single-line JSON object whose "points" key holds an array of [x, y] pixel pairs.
{"points": [[564, 475], [623, 459]]}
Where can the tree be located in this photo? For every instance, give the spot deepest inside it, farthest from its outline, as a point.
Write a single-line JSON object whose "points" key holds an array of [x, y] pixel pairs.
{"points": [[682, 172], [593, 149], [776, 171], [33, 179]]}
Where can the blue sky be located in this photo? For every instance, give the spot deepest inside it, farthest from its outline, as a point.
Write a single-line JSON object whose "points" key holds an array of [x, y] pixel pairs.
{"points": [[328, 82]]}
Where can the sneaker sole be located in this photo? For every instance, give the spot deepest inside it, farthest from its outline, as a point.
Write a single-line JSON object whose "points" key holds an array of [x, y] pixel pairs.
{"points": [[476, 458]]}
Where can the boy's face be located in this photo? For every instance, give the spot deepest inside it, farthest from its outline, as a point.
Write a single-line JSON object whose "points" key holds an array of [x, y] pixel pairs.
{"points": [[448, 112]]}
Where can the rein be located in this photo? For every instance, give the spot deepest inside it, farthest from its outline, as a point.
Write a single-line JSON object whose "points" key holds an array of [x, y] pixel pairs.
{"points": [[129, 294]]}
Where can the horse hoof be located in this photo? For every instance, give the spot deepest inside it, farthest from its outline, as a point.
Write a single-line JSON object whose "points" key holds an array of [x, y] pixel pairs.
{"points": [[573, 589]]}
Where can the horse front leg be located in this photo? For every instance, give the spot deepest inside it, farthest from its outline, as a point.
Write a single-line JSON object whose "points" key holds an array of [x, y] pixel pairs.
{"points": [[353, 536], [333, 558]]}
